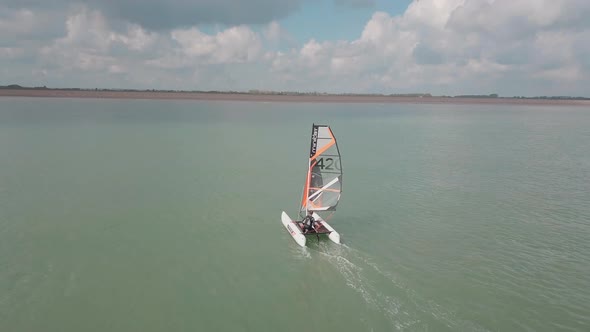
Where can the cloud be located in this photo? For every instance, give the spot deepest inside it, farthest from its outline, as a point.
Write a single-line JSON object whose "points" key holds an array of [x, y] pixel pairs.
{"points": [[170, 14], [95, 52], [511, 47], [234, 45], [90, 46], [455, 46], [10, 52], [18, 24], [274, 31]]}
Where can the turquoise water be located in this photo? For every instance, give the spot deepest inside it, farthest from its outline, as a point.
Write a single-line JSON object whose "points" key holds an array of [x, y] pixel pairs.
{"points": [[122, 215]]}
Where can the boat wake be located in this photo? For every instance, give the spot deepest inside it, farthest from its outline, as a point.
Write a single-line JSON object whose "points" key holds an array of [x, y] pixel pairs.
{"points": [[357, 273], [385, 292], [300, 252]]}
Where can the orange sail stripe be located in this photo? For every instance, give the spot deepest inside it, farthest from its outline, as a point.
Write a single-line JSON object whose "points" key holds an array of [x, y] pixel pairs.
{"points": [[312, 204], [322, 150], [306, 188]]}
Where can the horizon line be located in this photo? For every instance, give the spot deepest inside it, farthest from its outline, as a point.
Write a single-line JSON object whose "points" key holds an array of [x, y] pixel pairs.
{"points": [[295, 93]]}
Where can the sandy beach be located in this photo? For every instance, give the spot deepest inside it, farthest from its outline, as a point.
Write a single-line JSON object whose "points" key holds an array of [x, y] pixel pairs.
{"points": [[327, 98]]}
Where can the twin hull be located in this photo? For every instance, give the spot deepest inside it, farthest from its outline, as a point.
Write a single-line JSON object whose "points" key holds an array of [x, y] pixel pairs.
{"points": [[298, 236]]}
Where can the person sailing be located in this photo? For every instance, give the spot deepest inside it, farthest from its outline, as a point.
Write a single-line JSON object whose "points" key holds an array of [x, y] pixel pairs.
{"points": [[308, 222]]}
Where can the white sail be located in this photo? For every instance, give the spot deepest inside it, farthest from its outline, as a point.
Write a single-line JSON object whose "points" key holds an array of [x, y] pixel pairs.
{"points": [[323, 183]]}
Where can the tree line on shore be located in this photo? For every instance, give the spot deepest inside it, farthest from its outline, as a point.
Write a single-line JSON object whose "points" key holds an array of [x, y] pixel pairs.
{"points": [[292, 93]]}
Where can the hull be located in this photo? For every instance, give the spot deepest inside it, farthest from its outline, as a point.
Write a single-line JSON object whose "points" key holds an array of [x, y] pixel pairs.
{"points": [[333, 235], [293, 229], [297, 234]]}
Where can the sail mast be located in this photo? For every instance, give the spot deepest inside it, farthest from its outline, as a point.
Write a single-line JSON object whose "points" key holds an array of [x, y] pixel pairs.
{"points": [[303, 206]]}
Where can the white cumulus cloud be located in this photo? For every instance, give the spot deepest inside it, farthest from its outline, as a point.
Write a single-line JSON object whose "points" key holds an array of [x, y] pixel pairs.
{"points": [[456, 46], [511, 47]]}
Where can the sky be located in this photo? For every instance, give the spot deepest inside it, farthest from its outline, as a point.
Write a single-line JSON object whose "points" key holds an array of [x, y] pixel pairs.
{"points": [[443, 47]]}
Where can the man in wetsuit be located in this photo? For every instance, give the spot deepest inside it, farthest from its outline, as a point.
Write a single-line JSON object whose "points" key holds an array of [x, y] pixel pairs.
{"points": [[308, 222]]}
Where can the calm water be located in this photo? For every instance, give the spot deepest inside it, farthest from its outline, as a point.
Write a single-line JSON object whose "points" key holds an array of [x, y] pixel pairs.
{"points": [[120, 215]]}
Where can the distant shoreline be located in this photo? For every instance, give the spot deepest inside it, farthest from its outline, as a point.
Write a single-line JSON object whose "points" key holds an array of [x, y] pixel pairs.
{"points": [[290, 98]]}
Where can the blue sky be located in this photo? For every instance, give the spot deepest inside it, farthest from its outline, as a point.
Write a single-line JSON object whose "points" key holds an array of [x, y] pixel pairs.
{"points": [[325, 20], [510, 47]]}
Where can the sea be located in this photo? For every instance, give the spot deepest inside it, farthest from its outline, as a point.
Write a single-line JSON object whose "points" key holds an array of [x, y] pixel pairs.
{"points": [[147, 215]]}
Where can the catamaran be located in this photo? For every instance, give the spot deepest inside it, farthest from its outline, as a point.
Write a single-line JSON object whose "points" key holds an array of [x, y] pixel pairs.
{"points": [[322, 188]]}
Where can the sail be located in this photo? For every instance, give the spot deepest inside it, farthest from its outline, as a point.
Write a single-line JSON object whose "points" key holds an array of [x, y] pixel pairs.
{"points": [[323, 184]]}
